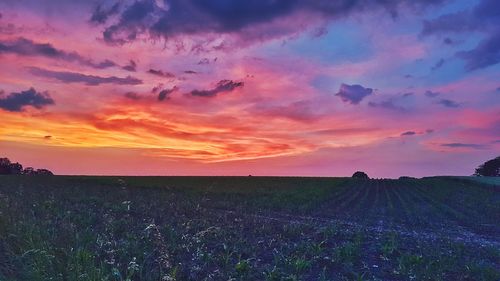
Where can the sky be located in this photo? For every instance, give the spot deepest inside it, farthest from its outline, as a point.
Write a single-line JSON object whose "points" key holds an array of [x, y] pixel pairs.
{"points": [[271, 87]]}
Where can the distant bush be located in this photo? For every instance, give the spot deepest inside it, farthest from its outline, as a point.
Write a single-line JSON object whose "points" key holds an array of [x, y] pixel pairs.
{"points": [[9, 168], [360, 175], [406, 178], [490, 168]]}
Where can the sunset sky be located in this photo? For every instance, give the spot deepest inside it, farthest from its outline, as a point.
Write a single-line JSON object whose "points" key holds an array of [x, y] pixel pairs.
{"points": [[223, 87]]}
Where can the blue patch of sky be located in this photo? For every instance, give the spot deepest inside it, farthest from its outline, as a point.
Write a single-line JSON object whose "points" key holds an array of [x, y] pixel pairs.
{"points": [[343, 42]]}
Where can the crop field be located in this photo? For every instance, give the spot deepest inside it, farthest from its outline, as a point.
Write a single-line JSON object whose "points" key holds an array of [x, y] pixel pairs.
{"points": [[248, 228]]}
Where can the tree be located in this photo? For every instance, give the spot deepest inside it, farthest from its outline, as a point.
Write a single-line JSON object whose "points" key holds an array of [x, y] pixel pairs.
{"points": [[4, 166], [30, 171], [490, 168], [9, 168], [15, 169], [44, 172], [360, 175]]}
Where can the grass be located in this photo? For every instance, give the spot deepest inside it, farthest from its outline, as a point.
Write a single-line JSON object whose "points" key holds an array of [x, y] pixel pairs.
{"points": [[247, 228]]}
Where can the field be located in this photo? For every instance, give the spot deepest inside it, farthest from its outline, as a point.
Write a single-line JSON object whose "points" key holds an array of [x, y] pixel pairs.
{"points": [[248, 228]]}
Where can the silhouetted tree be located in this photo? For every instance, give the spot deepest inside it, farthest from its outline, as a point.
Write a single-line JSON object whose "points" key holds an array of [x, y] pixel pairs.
{"points": [[9, 168], [44, 172], [4, 166], [406, 178], [490, 168], [16, 169], [30, 171], [360, 175]]}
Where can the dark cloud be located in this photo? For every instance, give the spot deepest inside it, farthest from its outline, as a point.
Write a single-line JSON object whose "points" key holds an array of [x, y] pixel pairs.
{"points": [[483, 18], [157, 88], [131, 66], [405, 95], [431, 94], [221, 87], [387, 104], [408, 76], [25, 47], [16, 102], [353, 94], [199, 17], [190, 72], [75, 77], [101, 14], [408, 133], [204, 61], [464, 145], [448, 103], [486, 53], [438, 64], [132, 96], [161, 73], [165, 94]]}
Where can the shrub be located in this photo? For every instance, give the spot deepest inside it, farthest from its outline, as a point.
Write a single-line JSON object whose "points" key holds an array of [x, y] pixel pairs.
{"points": [[360, 175]]}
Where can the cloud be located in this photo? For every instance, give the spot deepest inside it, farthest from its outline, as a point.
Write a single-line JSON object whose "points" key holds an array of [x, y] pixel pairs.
{"points": [[302, 111], [101, 14], [221, 87], [431, 94], [353, 94], [16, 102], [408, 133], [132, 96], [486, 53], [75, 77], [157, 88], [131, 66], [25, 47], [448, 103], [165, 94], [438, 64], [190, 72], [250, 20], [464, 145], [482, 18], [161, 73]]}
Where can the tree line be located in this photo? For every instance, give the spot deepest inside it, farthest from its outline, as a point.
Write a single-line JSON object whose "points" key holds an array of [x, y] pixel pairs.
{"points": [[9, 168]]}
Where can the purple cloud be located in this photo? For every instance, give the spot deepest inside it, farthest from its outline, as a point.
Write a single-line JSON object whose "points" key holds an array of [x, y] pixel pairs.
{"points": [[448, 103], [161, 73], [486, 53], [408, 133], [164, 94], [132, 96], [464, 145], [131, 66], [482, 18], [438, 64], [91, 80], [221, 87], [192, 17], [353, 94], [25, 47], [431, 94], [16, 102], [101, 14]]}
